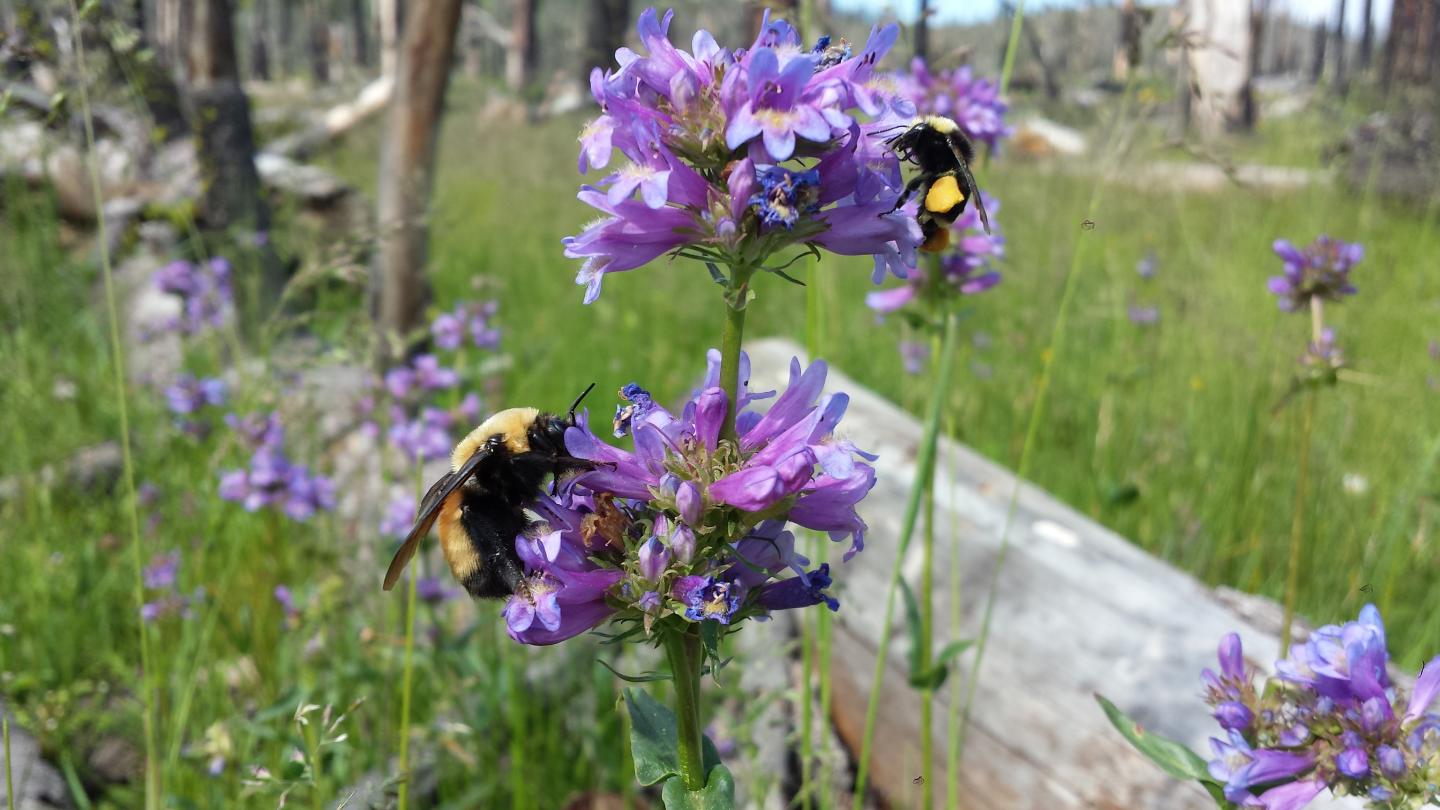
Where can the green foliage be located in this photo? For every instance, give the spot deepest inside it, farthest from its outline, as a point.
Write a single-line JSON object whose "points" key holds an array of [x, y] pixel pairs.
{"points": [[1172, 757], [654, 743]]}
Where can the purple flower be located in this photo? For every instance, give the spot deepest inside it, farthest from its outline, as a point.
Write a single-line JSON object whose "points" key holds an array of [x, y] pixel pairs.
{"points": [[639, 403], [161, 573], [271, 480], [204, 290], [1323, 355], [188, 394], [707, 599], [448, 331], [1241, 767], [967, 270], [1353, 763], [689, 501], [705, 134], [1234, 715], [1321, 270], [399, 517], [257, 430], [799, 591], [1148, 265], [426, 436], [654, 557], [286, 598], [1344, 663], [1142, 315], [971, 102], [1392, 762]]}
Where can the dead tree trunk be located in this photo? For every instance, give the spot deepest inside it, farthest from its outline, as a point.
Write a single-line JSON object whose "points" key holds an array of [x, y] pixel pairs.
{"points": [[399, 289], [285, 39], [259, 48], [155, 79], [1127, 50], [230, 198], [318, 39], [605, 32], [1367, 36], [1339, 45], [360, 32], [922, 31], [1259, 10], [1317, 64], [520, 59], [1219, 57], [1047, 70], [387, 18]]}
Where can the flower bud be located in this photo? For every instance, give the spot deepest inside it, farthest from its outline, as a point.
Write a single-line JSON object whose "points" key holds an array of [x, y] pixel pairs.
{"points": [[1392, 762], [1353, 763], [710, 409], [654, 558], [690, 503], [682, 544], [1233, 714]]}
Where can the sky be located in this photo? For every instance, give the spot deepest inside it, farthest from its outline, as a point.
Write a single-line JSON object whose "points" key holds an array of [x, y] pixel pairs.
{"points": [[966, 11]]}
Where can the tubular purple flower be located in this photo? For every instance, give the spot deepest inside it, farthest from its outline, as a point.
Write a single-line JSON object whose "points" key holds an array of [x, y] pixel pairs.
{"points": [[773, 109], [972, 103], [1320, 270], [1391, 761], [1232, 657], [799, 592], [682, 542], [1353, 763], [566, 604], [1426, 688]]}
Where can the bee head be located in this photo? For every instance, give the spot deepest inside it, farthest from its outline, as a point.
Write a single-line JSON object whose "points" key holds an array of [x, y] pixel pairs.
{"points": [[547, 434]]}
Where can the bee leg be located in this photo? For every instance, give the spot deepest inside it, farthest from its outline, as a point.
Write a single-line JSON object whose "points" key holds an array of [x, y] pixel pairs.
{"points": [[910, 188]]}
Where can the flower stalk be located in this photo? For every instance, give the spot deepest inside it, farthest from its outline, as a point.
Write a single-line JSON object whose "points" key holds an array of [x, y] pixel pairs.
{"points": [[925, 468], [1297, 520], [683, 651], [731, 338]]}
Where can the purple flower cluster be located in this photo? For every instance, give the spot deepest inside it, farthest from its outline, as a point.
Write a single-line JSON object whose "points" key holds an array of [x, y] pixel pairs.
{"points": [[1319, 271], [690, 525], [270, 479], [207, 300], [161, 581], [1144, 314], [971, 102], [1331, 719], [188, 395], [968, 270], [449, 329], [423, 375], [1323, 357], [739, 153]]}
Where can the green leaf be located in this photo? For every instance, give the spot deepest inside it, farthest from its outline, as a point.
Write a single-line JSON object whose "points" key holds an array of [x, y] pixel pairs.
{"points": [[717, 276], [915, 630], [644, 677], [718, 793], [653, 739], [1172, 757]]}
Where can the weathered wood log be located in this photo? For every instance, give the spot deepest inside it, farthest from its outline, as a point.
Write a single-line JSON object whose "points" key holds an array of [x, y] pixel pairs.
{"points": [[1080, 610], [336, 121]]}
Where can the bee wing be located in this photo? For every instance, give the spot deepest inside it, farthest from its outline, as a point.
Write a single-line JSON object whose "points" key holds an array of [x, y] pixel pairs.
{"points": [[429, 511], [974, 189]]}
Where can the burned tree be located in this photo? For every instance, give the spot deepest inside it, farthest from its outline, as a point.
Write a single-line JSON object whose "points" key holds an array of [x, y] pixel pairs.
{"points": [[399, 289], [605, 32], [523, 54]]}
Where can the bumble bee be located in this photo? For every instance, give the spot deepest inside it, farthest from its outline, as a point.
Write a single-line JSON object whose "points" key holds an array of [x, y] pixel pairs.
{"points": [[942, 152], [480, 503]]}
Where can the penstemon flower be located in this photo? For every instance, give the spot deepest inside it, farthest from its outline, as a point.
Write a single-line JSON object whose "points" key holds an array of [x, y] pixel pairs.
{"points": [[967, 270], [690, 527], [1319, 271], [1330, 719], [973, 103], [270, 480], [736, 154]]}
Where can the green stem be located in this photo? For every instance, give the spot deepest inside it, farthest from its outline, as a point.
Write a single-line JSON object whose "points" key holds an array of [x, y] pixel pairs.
{"points": [[407, 676], [1008, 67], [927, 615], [731, 336], [925, 467], [147, 692], [952, 731], [1297, 519], [683, 651]]}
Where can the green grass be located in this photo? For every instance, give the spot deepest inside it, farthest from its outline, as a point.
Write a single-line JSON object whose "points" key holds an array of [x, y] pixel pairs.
{"points": [[1164, 433]]}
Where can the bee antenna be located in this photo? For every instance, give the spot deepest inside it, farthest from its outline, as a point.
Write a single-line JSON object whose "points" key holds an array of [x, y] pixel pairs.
{"points": [[578, 400]]}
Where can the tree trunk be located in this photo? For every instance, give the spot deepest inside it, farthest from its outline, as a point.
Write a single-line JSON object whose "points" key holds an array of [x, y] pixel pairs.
{"points": [[285, 42], [399, 289], [1219, 63], [521, 58], [259, 50], [319, 42], [155, 79], [1317, 64], [1341, 84], [1259, 11], [1367, 35], [1127, 50], [1047, 70], [230, 198], [922, 31], [360, 32], [605, 33], [387, 17]]}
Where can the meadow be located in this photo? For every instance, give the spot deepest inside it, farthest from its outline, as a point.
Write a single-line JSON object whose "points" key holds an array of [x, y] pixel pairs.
{"points": [[1167, 432]]}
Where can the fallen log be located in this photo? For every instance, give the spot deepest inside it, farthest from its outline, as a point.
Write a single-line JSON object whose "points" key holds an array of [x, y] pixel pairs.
{"points": [[1080, 610]]}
